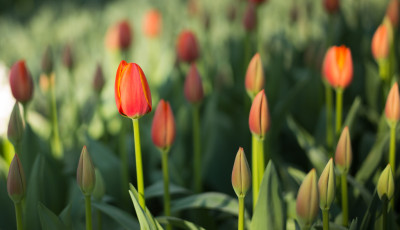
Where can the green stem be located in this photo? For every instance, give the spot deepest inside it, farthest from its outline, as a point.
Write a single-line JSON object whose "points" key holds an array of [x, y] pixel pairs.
{"points": [[339, 105], [18, 215], [254, 170], [384, 214], [329, 105], [196, 147], [345, 204], [167, 206], [88, 213], [139, 166], [25, 105], [99, 222], [260, 160], [325, 219], [241, 213], [392, 151], [56, 143]]}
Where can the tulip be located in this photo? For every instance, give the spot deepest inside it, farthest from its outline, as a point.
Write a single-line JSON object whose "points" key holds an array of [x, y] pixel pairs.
{"points": [[254, 81], [152, 23], [259, 115], [21, 82], [385, 189], [15, 127], [163, 128], [250, 18], [98, 80], [186, 47], [16, 188], [392, 12], [132, 93], [47, 62], [381, 43], [307, 200], [193, 88], [331, 6], [392, 108], [68, 59], [85, 174], [338, 66], [326, 188], [119, 36]]}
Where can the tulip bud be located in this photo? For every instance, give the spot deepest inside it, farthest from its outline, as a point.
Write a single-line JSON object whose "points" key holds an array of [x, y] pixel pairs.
{"points": [[193, 88], [16, 184], [326, 186], [99, 188], [47, 61], [385, 185], [254, 81], [257, 1], [381, 42], [338, 66], [132, 93], [21, 82], [307, 199], [259, 115], [119, 36], [344, 154], [392, 12], [186, 47], [85, 175], [152, 23], [98, 80], [163, 128], [250, 18], [241, 175], [15, 126], [331, 6], [392, 108], [68, 59]]}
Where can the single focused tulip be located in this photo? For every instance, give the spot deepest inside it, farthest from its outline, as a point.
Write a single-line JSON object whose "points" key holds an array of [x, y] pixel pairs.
{"points": [[344, 154], [98, 80], [186, 47], [385, 187], [16, 184], [392, 12], [338, 66], [85, 174], [47, 61], [119, 36], [152, 23], [99, 188], [392, 108], [380, 43], [15, 126], [21, 82], [308, 199], [68, 59], [163, 128], [259, 115], [331, 6], [326, 186], [132, 93], [250, 18], [254, 81], [241, 175], [193, 88]]}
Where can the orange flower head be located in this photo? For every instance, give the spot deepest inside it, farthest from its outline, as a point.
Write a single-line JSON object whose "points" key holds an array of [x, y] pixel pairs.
{"points": [[21, 82], [193, 88], [132, 93], [392, 108], [259, 115], [186, 47], [338, 66], [254, 81], [119, 36], [380, 43], [163, 128], [152, 24]]}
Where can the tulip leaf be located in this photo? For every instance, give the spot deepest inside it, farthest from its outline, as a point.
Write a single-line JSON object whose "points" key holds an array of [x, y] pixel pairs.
{"points": [[65, 216], [366, 195], [157, 189], [121, 217], [270, 209], [34, 193], [179, 223], [351, 115], [369, 217], [48, 219]]}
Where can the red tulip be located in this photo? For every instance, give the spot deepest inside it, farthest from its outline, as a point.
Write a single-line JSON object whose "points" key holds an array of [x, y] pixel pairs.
{"points": [[254, 81], [98, 80], [119, 36], [331, 6], [193, 88], [16, 184], [338, 66], [250, 17], [186, 47], [392, 108], [259, 115], [21, 82], [132, 93], [152, 23], [392, 12], [163, 128], [380, 43]]}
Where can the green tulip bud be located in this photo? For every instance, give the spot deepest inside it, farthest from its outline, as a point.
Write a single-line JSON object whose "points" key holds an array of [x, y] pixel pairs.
{"points": [[326, 186], [344, 154], [385, 185], [16, 185], [15, 126], [241, 175], [99, 188], [85, 175], [307, 199]]}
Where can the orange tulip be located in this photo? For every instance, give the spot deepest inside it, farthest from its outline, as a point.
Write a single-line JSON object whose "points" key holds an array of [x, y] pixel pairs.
{"points": [[132, 93], [163, 128], [338, 66], [392, 108], [16, 184], [152, 23], [392, 12], [193, 88], [186, 47], [250, 17], [254, 81], [331, 6], [119, 36], [259, 115], [21, 82], [380, 43]]}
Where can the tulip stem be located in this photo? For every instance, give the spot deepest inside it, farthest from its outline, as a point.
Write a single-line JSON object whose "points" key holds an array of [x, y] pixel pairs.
{"points": [[384, 213], [139, 166], [392, 152], [241, 213], [25, 106], [167, 206], [325, 219], [329, 128], [99, 222], [254, 170], [345, 205], [196, 146], [88, 213], [18, 214], [261, 160], [55, 143], [339, 105]]}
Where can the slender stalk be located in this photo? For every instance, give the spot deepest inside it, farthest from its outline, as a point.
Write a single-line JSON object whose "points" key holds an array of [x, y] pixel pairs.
{"points": [[260, 160], [384, 213], [139, 166], [392, 150], [339, 105], [241, 213], [345, 205], [88, 213], [325, 219], [56, 143], [329, 108], [99, 222], [25, 106], [167, 206], [254, 170], [196, 149], [18, 215]]}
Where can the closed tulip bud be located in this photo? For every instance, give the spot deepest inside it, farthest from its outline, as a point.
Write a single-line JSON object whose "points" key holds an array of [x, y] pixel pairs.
{"points": [[47, 61], [99, 188], [392, 12], [193, 88], [98, 80], [152, 24], [326, 186], [21, 82], [68, 59], [392, 108], [331, 6], [380, 43], [338, 66], [259, 115], [16, 184], [385, 187], [307, 199], [257, 1], [250, 18], [163, 128], [15, 126], [344, 154], [85, 175], [132, 93], [241, 175], [254, 81], [186, 47], [119, 36]]}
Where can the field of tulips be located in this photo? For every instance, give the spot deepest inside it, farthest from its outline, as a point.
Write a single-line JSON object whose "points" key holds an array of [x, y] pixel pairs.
{"points": [[199, 114]]}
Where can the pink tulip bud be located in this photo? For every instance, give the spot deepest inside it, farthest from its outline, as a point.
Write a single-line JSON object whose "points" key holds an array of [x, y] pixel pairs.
{"points": [[338, 66], [250, 18], [16, 184], [241, 175], [344, 154], [392, 108], [308, 199], [254, 80], [380, 43], [186, 47], [85, 174], [21, 82], [259, 115], [193, 88], [163, 128], [15, 126]]}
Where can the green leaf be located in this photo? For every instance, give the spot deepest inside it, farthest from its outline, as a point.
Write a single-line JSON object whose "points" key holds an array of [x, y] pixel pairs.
{"points": [[366, 195], [270, 208], [351, 115], [179, 223], [48, 219], [33, 194], [157, 189], [65, 216], [121, 217], [354, 224], [368, 221]]}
